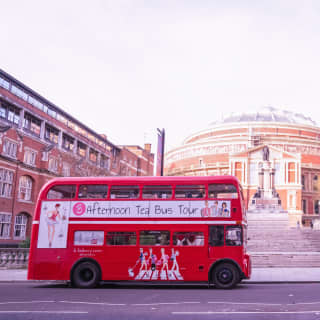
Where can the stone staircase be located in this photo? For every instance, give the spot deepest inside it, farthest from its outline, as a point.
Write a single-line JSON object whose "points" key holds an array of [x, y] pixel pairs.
{"points": [[273, 244]]}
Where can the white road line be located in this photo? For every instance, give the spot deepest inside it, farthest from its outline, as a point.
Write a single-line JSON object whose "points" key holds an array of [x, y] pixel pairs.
{"points": [[26, 302], [301, 303], [53, 312], [246, 303], [244, 312], [164, 303], [94, 303]]}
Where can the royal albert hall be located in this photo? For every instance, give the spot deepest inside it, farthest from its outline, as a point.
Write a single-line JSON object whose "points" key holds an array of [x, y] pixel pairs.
{"points": [[274, 153]]}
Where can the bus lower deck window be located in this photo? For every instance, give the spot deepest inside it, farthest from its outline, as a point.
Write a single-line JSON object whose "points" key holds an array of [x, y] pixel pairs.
{"points": [[121, 238], [188, 239], [216, 236], [154, 238], [233, 236], [88, 238]]}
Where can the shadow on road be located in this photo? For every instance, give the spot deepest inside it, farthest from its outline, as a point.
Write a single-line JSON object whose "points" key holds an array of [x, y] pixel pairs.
{"points": [[141, 286]]}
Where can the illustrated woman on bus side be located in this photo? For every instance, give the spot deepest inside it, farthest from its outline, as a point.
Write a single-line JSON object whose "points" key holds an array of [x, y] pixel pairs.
{"points": [[225, 211], [164, 258], [153, 260], [143, 260], [52, 220], [175, 266]]}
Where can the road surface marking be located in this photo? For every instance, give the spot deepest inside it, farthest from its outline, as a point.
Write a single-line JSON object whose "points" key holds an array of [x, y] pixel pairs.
{"points": [[54, 312], [253, 303], [95, 303], [243, 312]]}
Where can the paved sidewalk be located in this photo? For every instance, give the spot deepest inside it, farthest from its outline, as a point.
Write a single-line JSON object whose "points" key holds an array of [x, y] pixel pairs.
{"points": [[285, 275], [258, 275]]}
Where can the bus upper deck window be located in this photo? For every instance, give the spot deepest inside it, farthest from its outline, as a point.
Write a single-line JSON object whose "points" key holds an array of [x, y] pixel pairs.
{"points": [[124, 192], [157, 192], [222, 190], [93, 191], [190, 191], [62, 192]]}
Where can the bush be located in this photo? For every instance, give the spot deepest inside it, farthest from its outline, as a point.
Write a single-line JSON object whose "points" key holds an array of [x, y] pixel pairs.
{"points": [[25, 243]]}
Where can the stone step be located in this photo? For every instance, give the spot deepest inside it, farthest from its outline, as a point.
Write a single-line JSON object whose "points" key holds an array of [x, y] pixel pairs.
{"points": [[272, 243], [285, 259]]}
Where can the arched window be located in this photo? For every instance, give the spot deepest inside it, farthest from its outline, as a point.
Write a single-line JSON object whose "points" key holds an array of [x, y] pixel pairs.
{"points": [[20, 226], [25, 188]]}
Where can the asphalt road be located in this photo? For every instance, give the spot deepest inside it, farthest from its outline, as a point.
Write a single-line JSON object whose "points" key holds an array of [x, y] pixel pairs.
{"points": [[39, 300]]}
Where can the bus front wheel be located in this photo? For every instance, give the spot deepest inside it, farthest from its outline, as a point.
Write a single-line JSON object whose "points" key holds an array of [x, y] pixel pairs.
{"points": [[225, 276], [85, 275]]}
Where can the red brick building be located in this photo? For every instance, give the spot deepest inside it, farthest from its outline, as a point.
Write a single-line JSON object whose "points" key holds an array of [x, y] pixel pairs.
{"points": [[39, 141], [274, 153]]}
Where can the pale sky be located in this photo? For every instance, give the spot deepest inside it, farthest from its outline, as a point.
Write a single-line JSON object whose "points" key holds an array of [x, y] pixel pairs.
{"points": [[126, 67]]}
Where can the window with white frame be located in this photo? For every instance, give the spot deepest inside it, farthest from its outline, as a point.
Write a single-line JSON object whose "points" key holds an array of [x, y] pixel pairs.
{"points": [[81, 149], [67, 142], [10, 113], [5, 223], [51, 134], [93, 156], [20, 226], [10, 148], [30, 157], [53, 164], [6, 181], [25, 188], [66, 167], [104, 162], [32, 124], [4, 83]]}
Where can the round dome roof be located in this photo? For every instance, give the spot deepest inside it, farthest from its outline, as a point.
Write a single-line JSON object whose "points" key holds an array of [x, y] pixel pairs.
{"points": [[267, 114]]}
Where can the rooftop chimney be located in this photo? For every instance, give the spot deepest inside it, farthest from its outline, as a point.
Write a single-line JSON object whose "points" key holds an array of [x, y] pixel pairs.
{"points": [[147, 147]]}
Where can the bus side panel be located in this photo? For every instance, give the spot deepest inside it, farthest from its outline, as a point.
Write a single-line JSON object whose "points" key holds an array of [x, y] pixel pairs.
{"points": [[32, 253]]}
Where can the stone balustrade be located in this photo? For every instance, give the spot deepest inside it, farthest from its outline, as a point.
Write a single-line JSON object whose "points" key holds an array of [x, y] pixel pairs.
{"points": [[14, 258]]}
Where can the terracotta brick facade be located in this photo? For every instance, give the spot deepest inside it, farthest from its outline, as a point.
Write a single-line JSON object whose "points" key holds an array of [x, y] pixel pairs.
{"points": [[39, 141], [234, 146]]}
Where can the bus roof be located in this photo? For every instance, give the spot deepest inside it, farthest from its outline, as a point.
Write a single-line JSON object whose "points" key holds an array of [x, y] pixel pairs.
{"points": [[146, 179]]}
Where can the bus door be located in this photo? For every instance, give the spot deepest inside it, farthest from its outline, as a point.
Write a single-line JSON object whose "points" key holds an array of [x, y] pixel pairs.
{"points": [[216, 242]]}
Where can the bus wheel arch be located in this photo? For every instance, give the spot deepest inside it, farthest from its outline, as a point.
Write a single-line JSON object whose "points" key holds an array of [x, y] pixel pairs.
{"points": [[85, 273], [225, 274]]}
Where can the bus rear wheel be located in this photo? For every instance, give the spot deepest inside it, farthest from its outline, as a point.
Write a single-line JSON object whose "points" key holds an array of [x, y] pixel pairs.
{"points": [[85, 275], [225, 276]]}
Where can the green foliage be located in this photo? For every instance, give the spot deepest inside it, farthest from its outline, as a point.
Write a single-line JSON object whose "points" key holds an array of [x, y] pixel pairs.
{"points": [[25, 243]]}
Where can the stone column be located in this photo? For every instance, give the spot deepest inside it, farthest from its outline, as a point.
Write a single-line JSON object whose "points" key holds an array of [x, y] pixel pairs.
{"points": [[21, 118], [42, 129], [60, 139], [75, 146], [261, 179]]}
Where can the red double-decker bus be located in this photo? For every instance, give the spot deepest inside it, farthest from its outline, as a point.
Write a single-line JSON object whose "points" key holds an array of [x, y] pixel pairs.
{"points": [[88, 230]]}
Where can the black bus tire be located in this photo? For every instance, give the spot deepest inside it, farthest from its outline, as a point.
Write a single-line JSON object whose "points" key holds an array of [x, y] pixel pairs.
{"points": [[225, 276], [85, 275]]}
